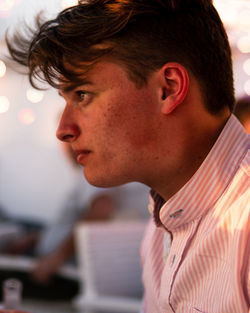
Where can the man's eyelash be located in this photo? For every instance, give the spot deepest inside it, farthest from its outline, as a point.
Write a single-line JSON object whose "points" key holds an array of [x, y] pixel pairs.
{"points": [[81, 94]]}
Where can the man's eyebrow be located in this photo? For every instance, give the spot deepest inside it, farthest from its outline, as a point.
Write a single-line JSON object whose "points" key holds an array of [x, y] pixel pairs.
{"points": [[69, 87]]}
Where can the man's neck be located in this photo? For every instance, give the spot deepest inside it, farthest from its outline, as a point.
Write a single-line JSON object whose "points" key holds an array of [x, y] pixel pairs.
{"points": [[170, 181]]}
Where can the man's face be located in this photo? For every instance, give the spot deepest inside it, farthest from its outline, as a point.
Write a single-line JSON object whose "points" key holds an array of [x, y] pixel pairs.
{"points": [[111, 125]]}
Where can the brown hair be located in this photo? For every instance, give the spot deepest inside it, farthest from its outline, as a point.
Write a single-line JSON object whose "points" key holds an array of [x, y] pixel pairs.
{"points": [[141, 34]]}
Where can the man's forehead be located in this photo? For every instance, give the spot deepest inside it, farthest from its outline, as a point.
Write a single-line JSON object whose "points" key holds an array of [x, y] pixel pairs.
{"points": [[85, 73], [68, 85], [75, 76]]}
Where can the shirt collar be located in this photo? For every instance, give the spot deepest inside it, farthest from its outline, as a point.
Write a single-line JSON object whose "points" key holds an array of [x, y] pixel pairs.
{"points": [[205, 187]]}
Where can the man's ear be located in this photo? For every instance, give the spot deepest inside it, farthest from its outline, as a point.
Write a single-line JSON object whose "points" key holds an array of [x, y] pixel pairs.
{"points": [[174, 86]]}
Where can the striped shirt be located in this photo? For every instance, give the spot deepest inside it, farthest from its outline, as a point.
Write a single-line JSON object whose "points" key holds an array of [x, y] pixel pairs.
{"points": [[204, 265]]}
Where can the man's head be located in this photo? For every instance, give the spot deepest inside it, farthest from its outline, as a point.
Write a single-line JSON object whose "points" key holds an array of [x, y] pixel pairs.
{"points": [[139, 35], [148, 86]]}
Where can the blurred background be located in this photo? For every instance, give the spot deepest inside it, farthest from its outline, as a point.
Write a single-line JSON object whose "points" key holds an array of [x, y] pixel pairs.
{"points": [[34, 175]]}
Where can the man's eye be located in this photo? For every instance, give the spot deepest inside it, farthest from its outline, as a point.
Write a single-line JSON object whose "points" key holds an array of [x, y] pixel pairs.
{"points": [[81, 95]]}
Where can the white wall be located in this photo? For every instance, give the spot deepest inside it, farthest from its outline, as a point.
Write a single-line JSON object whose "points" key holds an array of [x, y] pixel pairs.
{"points": [[34, 175]]}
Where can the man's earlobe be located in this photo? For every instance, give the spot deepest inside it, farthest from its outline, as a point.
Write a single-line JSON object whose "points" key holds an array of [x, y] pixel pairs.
{"points": [[175, 86]]}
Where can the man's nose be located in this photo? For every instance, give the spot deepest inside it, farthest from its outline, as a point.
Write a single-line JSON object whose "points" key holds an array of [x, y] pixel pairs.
{"points": [[68, 129]]}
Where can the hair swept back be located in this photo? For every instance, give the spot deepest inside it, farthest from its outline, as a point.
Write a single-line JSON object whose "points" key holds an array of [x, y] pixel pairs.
{"points": [[141, 35]]}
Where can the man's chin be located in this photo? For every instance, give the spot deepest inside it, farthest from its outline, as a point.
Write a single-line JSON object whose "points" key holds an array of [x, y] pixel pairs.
{"points": [[102, 181], [95, 180]]}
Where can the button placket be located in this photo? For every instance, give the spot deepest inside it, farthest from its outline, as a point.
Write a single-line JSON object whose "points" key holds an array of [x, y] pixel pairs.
{"points": [[166, 246]]}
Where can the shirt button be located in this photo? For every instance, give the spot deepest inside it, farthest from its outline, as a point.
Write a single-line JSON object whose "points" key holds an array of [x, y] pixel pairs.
{"points": [[176, 214], [172, 261]]}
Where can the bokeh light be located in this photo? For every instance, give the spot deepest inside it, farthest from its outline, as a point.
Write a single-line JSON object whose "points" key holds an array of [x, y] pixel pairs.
{"points": [[247, 87], [4, 104], [34, 95], [246, 66], [243, 19], [6, 7], [68, 3], [2, 68], [227, 13], [26, 116], [243, 44]]}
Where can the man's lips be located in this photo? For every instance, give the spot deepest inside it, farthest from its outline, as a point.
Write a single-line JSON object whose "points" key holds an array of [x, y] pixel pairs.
{"points": [[81, 155]]}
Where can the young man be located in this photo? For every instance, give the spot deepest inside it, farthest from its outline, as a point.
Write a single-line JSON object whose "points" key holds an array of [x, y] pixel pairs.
{"points": [[149, 93]]}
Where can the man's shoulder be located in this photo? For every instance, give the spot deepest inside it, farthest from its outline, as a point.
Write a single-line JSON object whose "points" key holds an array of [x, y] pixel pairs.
{"points": [[233, 207], [245, 164]]}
